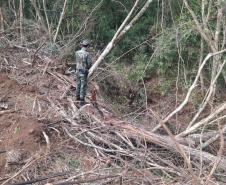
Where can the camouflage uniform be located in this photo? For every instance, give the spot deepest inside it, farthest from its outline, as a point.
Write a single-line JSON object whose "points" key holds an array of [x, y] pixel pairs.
{"points": [[83, 64]]}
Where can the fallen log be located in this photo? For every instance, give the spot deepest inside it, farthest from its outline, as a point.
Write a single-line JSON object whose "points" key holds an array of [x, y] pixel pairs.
{"points": [[6, 112], [167, 143], [132, 132], [2, 151]]}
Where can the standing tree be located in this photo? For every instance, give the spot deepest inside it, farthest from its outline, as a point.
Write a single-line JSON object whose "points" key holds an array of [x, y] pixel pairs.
{"points": [[215, 39], [21, 22], [60, 20]]}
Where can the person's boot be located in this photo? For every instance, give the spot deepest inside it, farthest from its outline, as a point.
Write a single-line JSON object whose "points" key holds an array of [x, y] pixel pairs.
{"points": [[82, 102], [78, 98]]}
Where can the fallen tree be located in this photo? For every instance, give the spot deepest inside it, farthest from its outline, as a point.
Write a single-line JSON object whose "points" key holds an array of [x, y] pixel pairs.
{"points": [[124, 27], [117, 139], [122, 142]]}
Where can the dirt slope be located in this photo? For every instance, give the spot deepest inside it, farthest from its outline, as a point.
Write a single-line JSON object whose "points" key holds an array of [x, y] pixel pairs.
{"points": [[18, 131], [26, 114]]}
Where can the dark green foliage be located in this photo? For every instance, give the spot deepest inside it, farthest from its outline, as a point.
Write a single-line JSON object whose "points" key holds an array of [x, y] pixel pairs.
{"points": [[172, 38]]}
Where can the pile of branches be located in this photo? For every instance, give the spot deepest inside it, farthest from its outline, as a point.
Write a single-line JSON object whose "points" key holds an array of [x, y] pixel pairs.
{"points": [[182, 158], [121, 143], [185, 155]]}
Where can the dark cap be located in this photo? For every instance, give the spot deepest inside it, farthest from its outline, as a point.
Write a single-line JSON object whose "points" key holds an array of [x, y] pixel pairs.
{"points": [[85, 43]]}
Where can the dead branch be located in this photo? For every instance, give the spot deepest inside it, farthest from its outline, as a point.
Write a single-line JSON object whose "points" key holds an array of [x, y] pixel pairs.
{"points": [[47, 140], [192, 129], [36, 51], [129, 131], [6, 112], [219, 154], [212, 139], [2, 151], [42, 178], [87, 180], [29, 163], [207, 96]]}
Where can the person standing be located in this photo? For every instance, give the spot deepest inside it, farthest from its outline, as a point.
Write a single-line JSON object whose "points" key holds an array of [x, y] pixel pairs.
{"points": [[83, 64]]}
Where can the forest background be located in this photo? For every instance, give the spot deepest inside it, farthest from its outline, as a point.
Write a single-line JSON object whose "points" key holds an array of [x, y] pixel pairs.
{"points": [[164, 72]]}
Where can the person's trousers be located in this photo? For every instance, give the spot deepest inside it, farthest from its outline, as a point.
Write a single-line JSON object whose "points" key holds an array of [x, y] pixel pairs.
{"points": [[81, 85]]}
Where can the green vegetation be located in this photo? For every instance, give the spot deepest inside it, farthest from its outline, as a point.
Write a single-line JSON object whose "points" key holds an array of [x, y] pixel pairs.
{"points": [[164, 43], [156, 100], [107, 18]]}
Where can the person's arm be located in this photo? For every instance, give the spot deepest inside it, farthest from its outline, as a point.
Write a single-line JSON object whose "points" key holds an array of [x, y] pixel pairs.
{"points": [[89, 61], [71, 67], [71, 64]]}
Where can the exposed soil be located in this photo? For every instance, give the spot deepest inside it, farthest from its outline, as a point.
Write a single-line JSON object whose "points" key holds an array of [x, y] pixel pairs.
{"points": [[21, 131], [17, 131], [26, 116]]}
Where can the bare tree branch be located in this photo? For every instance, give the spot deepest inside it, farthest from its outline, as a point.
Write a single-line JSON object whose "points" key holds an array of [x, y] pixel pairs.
{"points": [[60, 20], [190, 130], [192, 87], [120, 32], [47, 19]]}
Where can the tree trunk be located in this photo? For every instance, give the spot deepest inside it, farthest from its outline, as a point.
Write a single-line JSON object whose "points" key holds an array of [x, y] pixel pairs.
{"points": [[120, 32], [47, 19], [21, 22], [40, 18], [1, 19], [61, 18]]}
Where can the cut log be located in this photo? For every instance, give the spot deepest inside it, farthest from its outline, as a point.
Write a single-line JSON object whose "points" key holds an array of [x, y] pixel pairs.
{"points": [[166, 142], [133, 132]]}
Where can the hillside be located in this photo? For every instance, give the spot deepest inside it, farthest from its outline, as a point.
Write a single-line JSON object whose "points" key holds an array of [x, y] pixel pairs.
{"points": [[46, 134], [155, 103]]}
